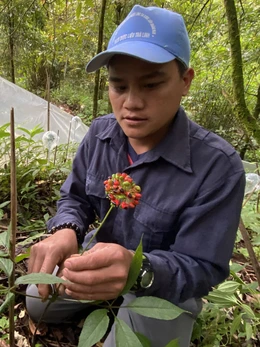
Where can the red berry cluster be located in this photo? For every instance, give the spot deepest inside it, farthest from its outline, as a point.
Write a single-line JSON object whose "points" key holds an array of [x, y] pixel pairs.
{"points": [[122, 191]]}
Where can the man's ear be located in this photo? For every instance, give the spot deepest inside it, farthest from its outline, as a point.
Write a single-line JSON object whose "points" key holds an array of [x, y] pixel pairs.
{"points": [[187, 79]]}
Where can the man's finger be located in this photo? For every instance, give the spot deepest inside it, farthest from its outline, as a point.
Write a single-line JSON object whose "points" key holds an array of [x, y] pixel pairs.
{"points": [[35, 262], [96, 296], [48, 267], [92, 260], [44, 291], [96, 277]]}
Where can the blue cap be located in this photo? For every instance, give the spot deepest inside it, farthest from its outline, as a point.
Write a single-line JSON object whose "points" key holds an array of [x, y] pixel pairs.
{"points": [[153, 34]]}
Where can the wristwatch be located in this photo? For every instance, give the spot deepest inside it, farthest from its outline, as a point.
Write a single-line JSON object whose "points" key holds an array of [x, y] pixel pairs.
{"points": [[146, 276]]}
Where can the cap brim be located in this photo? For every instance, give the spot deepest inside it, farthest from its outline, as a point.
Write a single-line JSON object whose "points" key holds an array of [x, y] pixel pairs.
{"points": [[137, 49]]}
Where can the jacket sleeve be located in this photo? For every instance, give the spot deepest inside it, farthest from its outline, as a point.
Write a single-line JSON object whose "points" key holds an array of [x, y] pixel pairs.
{"points": [[199, 258], [74, 205]]}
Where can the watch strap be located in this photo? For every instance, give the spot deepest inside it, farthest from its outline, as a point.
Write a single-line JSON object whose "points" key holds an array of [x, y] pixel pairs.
{"points": [[146, 266]]}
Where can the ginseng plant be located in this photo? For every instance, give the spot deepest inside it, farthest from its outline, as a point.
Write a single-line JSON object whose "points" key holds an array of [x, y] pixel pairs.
{"points": [[123, 193]]}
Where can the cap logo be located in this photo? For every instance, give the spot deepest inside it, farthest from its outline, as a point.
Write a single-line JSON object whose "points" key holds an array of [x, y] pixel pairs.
{"points": [[137, 34]]}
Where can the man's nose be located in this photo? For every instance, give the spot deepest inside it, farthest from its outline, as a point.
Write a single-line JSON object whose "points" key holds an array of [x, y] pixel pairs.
{"points": [[134, 99]]}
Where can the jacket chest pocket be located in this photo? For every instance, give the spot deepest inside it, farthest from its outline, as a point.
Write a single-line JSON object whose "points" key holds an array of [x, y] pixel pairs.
{"points": [[95, 191], [158, 227], [95, 186]]}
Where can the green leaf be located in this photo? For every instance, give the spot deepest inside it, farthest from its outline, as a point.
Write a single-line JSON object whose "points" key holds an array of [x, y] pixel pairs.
{"points": [[235, 324], [3, 290], [4, 239], [22, 256], [30, 239], [3, 254], [155, 308], [143, 339], [8, 299], [94, 328], [236, 267], [4, 204], [229, 287], [159, 2], [4, 134], [252, 287], [6, 265], [42, 161], [249, 331], [221, 299], [38, 278], [32, 132], [24, 130], [256, 241], [173, 343], [249, 312], [4, 126], [134, 268], [78, 9], [125, 337]]}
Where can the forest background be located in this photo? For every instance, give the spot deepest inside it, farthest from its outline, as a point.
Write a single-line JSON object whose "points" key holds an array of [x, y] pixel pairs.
{"points": [[44, 47]]}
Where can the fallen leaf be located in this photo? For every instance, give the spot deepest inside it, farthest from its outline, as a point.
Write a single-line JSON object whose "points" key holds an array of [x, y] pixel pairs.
{"points": [[21, 314], [81, 323], [57, 333], [42, 328], [21, 341]]}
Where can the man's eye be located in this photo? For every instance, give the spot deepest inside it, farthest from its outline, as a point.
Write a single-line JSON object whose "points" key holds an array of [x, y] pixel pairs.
{"points": [[119, 89], [152, 85]]}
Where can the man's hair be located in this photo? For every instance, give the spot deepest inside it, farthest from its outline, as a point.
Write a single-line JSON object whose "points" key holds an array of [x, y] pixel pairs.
{"points": [[182, 68]]}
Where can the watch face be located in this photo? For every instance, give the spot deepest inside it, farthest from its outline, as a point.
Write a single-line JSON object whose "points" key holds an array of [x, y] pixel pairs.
{"points": [[147, 279]]}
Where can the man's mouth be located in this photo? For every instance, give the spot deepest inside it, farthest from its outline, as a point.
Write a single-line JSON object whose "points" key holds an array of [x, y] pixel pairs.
{"points": [[134, 119]]}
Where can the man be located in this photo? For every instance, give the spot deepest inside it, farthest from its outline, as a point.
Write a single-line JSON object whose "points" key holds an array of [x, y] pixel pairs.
{"points": [[192, 188]]}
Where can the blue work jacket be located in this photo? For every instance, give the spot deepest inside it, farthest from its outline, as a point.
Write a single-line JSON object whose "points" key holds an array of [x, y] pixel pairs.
{"points": [[192, 190]]}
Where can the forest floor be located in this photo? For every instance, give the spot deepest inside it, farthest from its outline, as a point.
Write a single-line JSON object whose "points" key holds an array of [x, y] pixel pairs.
{"points": [[65, 334]]}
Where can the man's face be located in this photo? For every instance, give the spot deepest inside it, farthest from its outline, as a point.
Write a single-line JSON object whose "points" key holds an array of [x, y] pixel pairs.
{"points": [[145, 98]]}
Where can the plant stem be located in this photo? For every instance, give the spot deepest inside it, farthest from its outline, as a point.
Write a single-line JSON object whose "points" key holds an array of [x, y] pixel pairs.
{"points": [[250, 250], [249, 197], [99, 227], [13, 227], [56, 294], [67, 149], [51, 300]]}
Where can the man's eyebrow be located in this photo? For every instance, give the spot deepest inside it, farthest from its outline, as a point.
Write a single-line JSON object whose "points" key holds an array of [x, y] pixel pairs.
{"points": [[114, 79], [157, 73]]}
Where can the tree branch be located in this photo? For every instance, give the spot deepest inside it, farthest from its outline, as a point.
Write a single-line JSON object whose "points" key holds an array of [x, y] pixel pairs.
{"points": [[250, 250], [22, 17], [257, 106], [198, 15]]}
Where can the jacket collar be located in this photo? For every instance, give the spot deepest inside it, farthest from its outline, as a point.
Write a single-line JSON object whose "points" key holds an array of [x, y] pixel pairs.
{"points": [[175, 148]]}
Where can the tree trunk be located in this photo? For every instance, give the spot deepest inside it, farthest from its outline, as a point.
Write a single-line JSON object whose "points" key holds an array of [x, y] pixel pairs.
{"points": [[11, 40], [239, 104], [99, 49]]}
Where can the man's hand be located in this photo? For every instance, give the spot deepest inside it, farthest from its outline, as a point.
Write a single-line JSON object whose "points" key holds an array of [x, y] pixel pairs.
{"points": [[50, 252], [99, 274]]}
